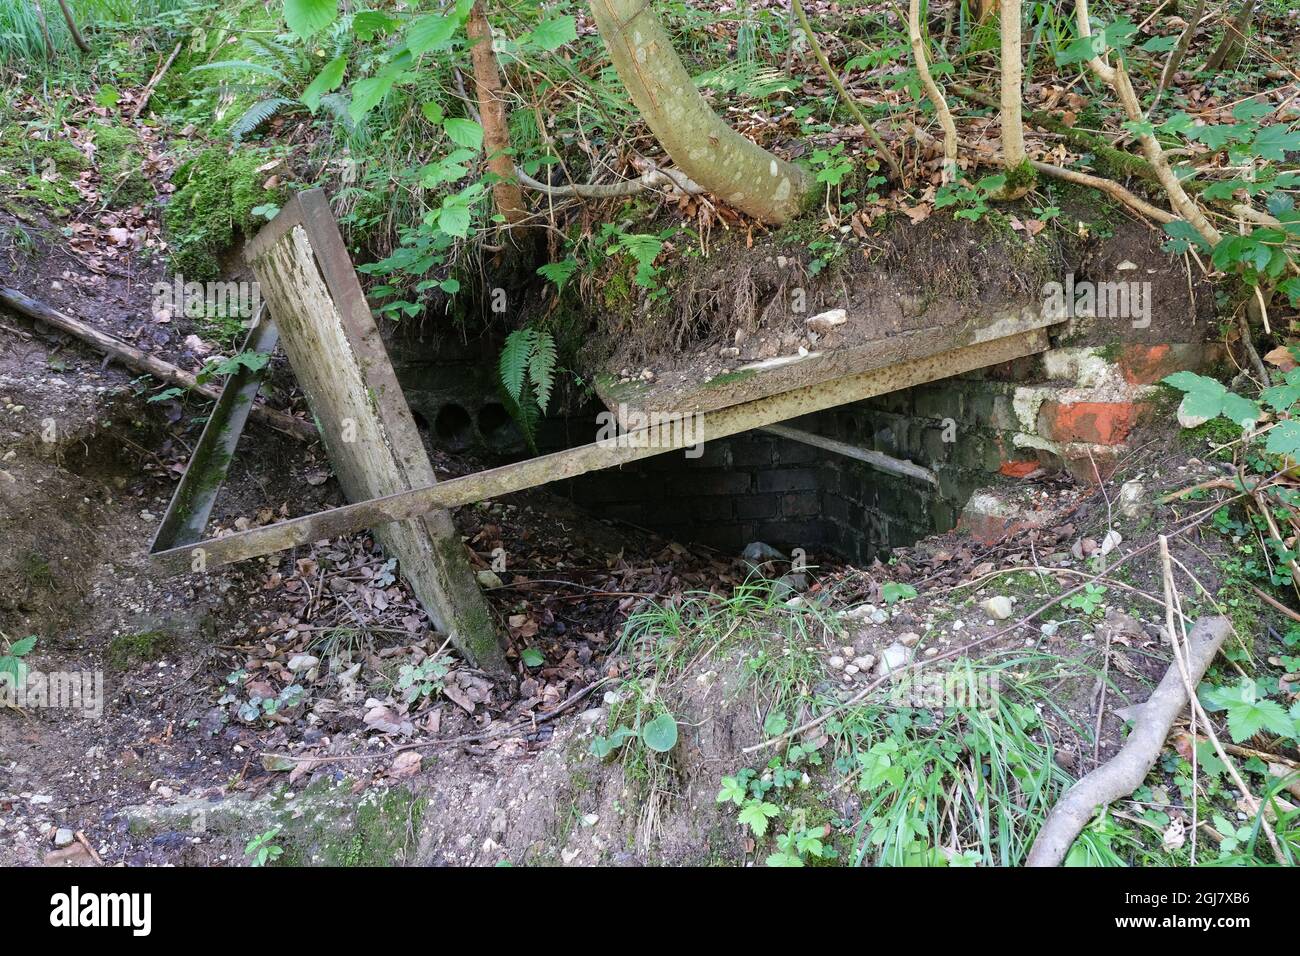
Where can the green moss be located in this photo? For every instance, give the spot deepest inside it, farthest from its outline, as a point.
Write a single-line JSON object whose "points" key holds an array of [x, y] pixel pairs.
{"points": [[119, 156], [617, 292], [39, 172], [1023, 176], [143, 647], [216, 195], [730, 378], [375, 831]]}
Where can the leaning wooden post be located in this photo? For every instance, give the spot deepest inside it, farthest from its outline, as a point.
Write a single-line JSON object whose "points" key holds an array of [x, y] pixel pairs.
{"points": [[334, 346]]}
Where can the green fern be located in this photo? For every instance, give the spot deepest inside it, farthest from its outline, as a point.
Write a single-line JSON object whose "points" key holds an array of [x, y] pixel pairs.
{"points": [[258, 114], [514, 360], [541, 369], [527, 371]]}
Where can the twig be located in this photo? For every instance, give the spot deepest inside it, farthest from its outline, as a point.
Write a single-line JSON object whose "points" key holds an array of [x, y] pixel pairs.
{"points": [[1185, 671], [144, 362], [831, 75], [157, 78]]}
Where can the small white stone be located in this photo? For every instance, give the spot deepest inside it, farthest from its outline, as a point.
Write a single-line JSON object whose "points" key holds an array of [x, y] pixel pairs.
{"points": [[999, 608]]}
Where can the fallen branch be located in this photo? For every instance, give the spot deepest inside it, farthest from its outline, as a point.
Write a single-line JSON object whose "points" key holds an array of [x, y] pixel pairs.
{"points": [[652, 178], [1124, 773], [1109, 187], [157, 78], [142, 361]]}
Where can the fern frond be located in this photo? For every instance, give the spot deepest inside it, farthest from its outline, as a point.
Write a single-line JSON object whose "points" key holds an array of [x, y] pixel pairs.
{"points": [[541, 368], [526, 416], [514, 361], [256, 115], [247, 66]]}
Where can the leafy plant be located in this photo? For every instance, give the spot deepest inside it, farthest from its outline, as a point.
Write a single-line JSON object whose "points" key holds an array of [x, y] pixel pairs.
{"points": [[12, 667], [1249, 712], [527, 375], [1089, 600], [422, 680], [262, 850], [894, 591]]}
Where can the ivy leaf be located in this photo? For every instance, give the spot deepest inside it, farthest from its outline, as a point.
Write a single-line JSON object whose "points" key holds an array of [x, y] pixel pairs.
{"points": [[553, 33], [327, 81], [309, 17], [1217, 136], [895, 591], [755, 815], [1248, 111], [464, 132], [1281, 397], [1206, 398]]}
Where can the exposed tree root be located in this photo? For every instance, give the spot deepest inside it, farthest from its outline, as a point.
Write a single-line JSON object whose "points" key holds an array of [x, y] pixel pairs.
{"points": [[1124, 772], [652, 178]]}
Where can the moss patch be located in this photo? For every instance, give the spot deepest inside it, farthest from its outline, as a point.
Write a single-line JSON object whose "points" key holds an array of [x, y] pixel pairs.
{"points": [[119, 156], [40, 172], [126, 650], [215, 196]]}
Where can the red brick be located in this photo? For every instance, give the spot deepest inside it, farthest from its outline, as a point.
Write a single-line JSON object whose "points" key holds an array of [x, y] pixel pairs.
{"points": [[1148, 364], [1018, 469], [1097, 423]]}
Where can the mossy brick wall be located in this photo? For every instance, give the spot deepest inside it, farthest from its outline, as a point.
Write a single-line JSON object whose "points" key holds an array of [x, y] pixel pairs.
{"points": [[1071, 408]]}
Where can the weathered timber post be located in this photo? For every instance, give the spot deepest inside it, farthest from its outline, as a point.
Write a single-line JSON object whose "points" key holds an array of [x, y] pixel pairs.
{"points": [[335, 348]]}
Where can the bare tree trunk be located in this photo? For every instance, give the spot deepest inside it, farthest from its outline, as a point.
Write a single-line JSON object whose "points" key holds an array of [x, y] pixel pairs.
{"points": [[1013, 131], [703, 146], [1177, 54], [1020, 174], [77, 38], [933, 92], [45, 29], [1234, 39], [506, 194]]}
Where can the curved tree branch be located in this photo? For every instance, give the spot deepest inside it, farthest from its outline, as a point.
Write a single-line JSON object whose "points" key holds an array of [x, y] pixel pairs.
{"points": [[704, 147], [933, 92]]}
